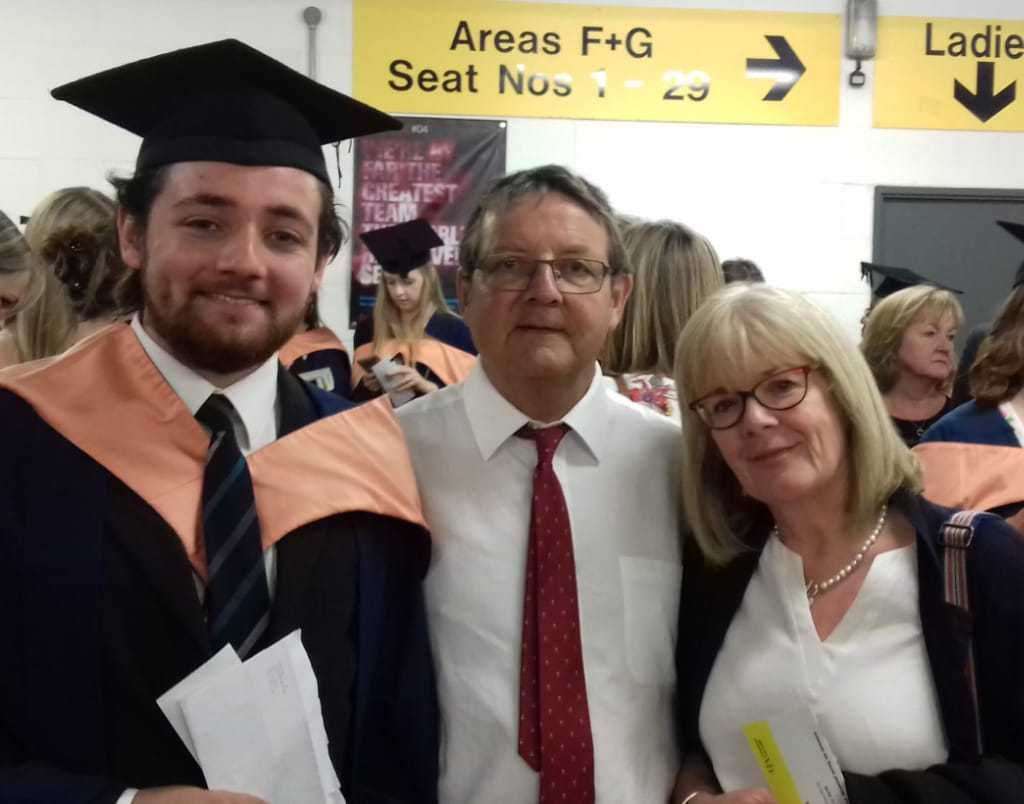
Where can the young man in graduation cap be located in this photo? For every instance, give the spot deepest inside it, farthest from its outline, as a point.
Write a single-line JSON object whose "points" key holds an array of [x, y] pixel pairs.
{"points": [[169, 489], [411, 322]]}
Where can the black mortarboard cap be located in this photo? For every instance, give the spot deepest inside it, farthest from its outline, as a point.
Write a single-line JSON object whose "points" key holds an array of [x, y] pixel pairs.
{"points": [[224, 102], [895, 279], [1017, 230], [403, 247]]}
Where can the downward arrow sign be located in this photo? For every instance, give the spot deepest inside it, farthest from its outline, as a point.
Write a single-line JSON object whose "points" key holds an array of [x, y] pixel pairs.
{"points": [[985, 104], [786, 69]]}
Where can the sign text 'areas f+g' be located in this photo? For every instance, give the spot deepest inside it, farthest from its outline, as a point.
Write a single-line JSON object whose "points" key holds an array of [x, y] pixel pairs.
{"points": [[949, 74], [512, 59]]}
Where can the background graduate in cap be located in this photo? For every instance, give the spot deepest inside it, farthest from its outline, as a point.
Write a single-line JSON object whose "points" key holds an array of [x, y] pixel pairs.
{"points": [[204, 496], [411, 318], [315, 354]]}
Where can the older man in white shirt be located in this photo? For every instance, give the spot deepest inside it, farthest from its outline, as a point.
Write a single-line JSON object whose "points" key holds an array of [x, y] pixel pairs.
{"points": [[554, 583]]}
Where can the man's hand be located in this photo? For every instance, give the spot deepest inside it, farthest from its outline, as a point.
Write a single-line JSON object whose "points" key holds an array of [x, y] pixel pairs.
{"points": [[192, 795]]}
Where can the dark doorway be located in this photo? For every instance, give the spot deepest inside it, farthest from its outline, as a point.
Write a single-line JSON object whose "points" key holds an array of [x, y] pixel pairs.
{"points": [[951, 236]]}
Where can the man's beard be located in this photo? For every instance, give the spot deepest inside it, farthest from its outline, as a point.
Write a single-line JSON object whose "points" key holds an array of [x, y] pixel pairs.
{"points": [[201, 348]]}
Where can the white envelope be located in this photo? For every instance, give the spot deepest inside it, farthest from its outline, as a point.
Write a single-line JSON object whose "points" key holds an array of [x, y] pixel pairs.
{"points": [[170, 702], [257, 727]]}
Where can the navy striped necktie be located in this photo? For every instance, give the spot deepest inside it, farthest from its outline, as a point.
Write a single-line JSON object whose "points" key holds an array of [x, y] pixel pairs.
{"points": [[237, 597]]}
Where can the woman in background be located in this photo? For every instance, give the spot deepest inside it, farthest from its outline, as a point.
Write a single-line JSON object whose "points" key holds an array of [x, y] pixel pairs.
{"points": [[819, 590], [19, 283], [908, 343], [72, 237], [972, 457], [674, 271], [315, 354], [412, 325]]}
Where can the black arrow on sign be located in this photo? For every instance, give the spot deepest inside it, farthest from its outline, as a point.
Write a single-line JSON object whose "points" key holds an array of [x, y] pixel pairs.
{"points": [[786, 69], [984, 104]]}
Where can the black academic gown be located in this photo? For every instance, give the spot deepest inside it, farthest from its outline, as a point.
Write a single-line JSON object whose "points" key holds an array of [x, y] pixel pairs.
{"points": [[328, 369], [318, 357], [100, 616]]}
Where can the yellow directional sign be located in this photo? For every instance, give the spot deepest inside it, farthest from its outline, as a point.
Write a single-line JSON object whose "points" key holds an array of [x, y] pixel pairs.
{"points": [[950, 74], [511, 59]]}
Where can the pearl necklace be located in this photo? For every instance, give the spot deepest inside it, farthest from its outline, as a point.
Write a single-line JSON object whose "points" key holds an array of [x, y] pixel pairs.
{"points": [[817, 588]]}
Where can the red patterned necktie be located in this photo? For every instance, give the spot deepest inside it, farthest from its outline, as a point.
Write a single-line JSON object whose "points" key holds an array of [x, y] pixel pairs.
{"points": [[554, 722]]}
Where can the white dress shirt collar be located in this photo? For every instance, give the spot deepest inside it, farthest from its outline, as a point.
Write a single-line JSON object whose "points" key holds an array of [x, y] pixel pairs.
{"points": [[493, 419], [254, 397]]}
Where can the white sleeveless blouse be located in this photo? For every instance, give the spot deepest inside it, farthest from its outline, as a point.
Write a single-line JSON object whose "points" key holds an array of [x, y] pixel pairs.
{"points": [[869, 684]]}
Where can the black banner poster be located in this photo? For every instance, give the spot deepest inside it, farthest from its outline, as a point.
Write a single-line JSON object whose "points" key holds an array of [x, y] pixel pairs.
{"points": [[434, 168]]}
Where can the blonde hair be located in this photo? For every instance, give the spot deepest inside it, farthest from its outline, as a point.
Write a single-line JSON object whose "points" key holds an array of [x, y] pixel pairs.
{"points": [[998, 371], [889, 320], [387, 319], [72, 236], [738, 331], [675, 270], [16, 260]]}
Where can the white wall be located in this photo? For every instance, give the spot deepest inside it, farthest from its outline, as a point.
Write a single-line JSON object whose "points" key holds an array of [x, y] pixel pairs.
{"points": [[797, 200]]}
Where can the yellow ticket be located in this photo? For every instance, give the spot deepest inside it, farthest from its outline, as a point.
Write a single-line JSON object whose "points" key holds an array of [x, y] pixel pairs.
{"points": [[772, 763], [795, 759]]}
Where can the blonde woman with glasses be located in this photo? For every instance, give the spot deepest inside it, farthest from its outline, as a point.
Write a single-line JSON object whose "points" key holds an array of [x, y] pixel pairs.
{"points": [[814, 586]]}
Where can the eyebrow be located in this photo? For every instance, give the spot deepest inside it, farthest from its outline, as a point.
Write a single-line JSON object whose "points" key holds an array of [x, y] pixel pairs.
{"points": [[222, 202], [206, 200], [575, 250], [764, 375]]}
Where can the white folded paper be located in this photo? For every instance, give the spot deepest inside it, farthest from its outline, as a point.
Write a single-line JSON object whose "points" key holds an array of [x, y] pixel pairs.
{"points": [[382, 370], [257, 727], [170, 702]]}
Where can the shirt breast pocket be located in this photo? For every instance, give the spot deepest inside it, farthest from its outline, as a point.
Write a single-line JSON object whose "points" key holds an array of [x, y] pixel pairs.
{"points": [[650, 594]]}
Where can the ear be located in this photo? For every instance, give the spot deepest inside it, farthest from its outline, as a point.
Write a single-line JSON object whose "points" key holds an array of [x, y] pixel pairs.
{"points": [[463, 283], [318, 271], [131, 238], [621, 287]]}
